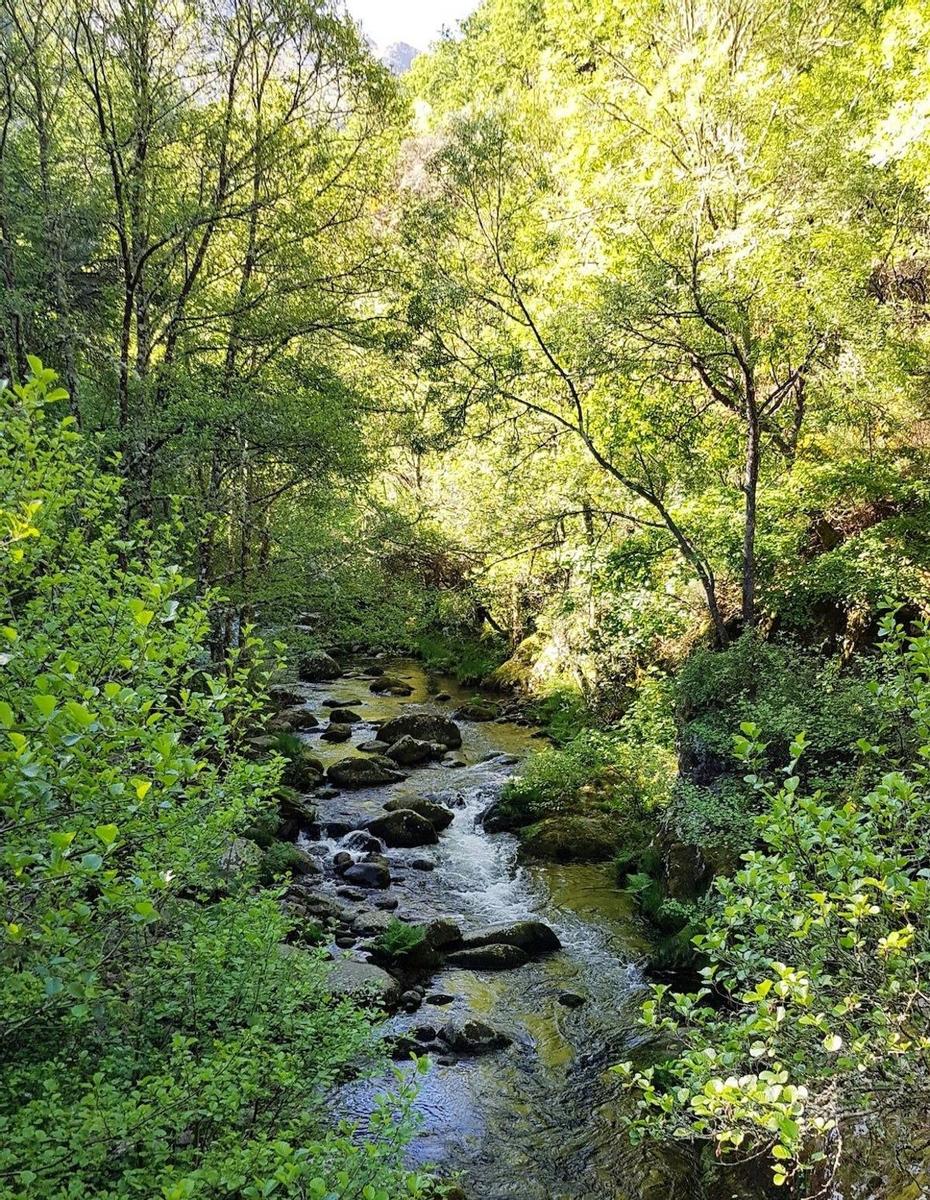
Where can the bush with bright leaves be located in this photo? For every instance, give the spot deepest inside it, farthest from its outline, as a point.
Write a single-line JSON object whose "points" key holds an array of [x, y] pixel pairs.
{"points": [[156, 1042], [815, 1009]]}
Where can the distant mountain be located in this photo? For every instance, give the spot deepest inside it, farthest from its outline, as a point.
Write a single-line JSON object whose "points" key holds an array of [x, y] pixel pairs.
{"points": [[397, 58]]}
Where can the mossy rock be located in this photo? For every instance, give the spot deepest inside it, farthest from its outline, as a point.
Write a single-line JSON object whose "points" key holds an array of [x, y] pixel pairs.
{"points": [[283, 858], [302, 772], [572, 838]]}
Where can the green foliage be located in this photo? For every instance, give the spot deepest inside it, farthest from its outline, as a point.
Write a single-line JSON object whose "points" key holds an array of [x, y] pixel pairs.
{"points": [[817, 946], [469, 658], [399, 939], [156, 1039]]}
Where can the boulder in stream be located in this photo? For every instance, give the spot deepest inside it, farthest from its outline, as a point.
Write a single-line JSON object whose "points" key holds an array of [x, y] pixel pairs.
{"points": [[290, 719], [390, 684], [478, 709], [496, 957], [375, 746], [343, 716], [368, 875], [532, 937], [407, 751], [317, 666], [426, 727], [468, 1035], [572, 838], [336, 733], [363, 983], [361, 773], [286, 695], [438, 815], [403, 827]]}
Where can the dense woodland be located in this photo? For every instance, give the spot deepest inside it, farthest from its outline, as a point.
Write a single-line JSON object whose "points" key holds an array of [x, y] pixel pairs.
{"points": [[588, 361]]}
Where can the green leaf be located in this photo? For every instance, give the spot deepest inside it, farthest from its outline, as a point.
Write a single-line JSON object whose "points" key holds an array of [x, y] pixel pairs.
{"points": [[107, 834]]}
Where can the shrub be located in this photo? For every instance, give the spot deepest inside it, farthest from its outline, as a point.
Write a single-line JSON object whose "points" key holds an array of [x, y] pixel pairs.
{"points": [[399, 939], [156, 1042], [817, 947]]}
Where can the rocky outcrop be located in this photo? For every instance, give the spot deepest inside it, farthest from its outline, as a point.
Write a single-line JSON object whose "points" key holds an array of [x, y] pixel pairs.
{"points": [[317, 666], [438, 815], [403, 827], [425, 727], [361, 773]]}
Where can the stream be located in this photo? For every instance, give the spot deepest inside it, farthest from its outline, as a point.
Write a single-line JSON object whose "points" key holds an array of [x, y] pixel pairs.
{"points": [[542, 1118]]}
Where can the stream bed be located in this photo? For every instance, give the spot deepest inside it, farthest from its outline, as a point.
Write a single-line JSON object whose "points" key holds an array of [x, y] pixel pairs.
{"points": [[542, 1118]]}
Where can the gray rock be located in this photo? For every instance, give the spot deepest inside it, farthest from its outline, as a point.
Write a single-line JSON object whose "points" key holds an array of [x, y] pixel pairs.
{"points": [[332, 702], [408, 751], [336, 733], [411, 1001], [291, 719], [338, 829], [344, 716], [361, 773], [286, 695], [345, 941], [372, 921], [350, 893], [403, 827], [388, 903], [317, 666], [362, 842], [421, 864], [368, 875], [571, 999], [440, 998], [342, 861], [375, 746], [363, 983], [438, 815], [389, 683], [442, 697], [240, 856], [532, 937], [468, 1035], [442, 932], [302, 771], [489, 958], [425, 727]]}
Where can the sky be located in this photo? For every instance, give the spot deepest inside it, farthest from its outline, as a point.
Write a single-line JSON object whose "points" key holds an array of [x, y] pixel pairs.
{"points": [[418, 22]]}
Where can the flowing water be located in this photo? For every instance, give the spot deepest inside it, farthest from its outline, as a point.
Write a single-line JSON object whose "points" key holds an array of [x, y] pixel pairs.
{"points": [[541, 1119]]}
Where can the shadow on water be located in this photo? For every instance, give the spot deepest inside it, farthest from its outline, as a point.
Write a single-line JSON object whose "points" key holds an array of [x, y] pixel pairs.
{"points": [[542, 1119]]}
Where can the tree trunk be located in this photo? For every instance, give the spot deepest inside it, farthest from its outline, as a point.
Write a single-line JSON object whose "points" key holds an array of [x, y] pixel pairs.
{"points": [[750, 491]]}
